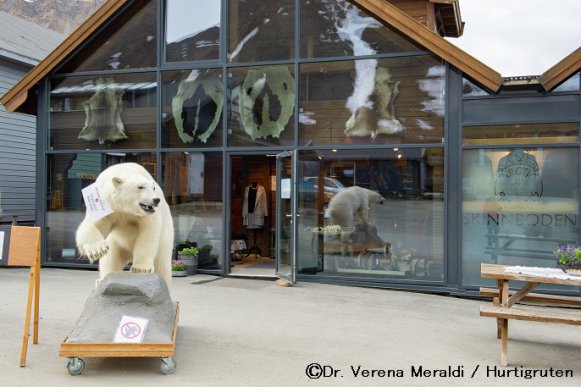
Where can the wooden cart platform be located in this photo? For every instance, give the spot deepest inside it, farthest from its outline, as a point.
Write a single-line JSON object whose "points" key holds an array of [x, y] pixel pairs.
{"points": [[165, 351]]}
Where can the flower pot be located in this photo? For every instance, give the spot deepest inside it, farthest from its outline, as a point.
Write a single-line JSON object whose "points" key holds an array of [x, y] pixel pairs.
{"points": [[182, 273], [572, 268], [191, 262]]}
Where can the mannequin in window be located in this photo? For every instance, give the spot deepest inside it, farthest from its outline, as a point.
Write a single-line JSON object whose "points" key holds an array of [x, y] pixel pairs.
{"points": [[254, 210]]}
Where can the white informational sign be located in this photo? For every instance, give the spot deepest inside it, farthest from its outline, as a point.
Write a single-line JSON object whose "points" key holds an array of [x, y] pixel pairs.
{"points": [[1, 244], [131, 330], [96, 206], [285, 188]]}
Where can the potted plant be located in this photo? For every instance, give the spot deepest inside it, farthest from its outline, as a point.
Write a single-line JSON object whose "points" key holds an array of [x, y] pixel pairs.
{"points": [[569, 259], [178, 269], [189, 256]]}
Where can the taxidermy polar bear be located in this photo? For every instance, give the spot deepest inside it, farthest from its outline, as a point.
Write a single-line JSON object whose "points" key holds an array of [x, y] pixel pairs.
{"points": [[349, 204], [138, 231]]}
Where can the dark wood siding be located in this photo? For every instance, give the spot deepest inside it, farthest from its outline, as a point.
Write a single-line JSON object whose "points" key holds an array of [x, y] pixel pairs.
{"points": [[17, 154]]}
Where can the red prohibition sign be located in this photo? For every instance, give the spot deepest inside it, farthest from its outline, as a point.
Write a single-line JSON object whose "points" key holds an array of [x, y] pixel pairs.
{"points": [[130, 330]]}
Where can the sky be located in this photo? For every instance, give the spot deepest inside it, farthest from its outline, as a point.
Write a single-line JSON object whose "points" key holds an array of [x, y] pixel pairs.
{"points": [[520, 37]]}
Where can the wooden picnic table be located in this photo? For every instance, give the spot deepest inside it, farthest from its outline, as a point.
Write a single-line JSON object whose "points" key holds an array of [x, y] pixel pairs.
{"points": [[503, 300]]}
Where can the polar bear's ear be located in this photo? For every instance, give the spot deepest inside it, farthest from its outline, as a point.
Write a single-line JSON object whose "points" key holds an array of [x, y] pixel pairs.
{"points": [[117, 181]]}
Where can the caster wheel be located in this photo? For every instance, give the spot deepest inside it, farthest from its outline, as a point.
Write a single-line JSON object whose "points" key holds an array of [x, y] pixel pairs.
{"points": [[168, 365], [75, 366]]}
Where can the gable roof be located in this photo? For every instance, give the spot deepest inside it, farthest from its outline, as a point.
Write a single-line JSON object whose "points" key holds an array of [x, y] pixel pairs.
{"points": [[21, 96], [25, 42], [562, 70]]}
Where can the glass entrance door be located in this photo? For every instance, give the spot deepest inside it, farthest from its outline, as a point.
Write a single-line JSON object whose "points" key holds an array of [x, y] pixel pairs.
{"points": [[285, 216]]}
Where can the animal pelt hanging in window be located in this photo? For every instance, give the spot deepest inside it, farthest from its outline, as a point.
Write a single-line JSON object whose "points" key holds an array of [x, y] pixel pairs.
{"points": [[267, 101], [373, 110], [103, 113], [197, 106]]}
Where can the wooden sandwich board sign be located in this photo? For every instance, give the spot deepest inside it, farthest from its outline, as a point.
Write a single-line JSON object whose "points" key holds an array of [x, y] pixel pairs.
{"points": [[24, 250]]}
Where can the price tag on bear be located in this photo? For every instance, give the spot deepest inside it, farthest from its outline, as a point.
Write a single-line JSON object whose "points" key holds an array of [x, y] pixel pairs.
{"points": [[97, 207]]}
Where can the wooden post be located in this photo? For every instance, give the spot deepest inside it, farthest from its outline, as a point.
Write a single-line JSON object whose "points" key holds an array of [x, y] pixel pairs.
{"points": [[25, 251], [504, 326]]}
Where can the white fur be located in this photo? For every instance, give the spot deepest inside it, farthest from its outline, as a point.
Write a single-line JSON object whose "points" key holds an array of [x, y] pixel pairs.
{"points": [[130, 233], [349, 204]]}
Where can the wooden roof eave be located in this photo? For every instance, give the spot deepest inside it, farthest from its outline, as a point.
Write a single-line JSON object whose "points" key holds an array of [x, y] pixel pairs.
{"points": [[420, 34], [561, 71], [18, 96]]}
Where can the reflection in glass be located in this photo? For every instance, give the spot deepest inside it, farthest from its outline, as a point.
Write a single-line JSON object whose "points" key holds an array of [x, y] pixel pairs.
{"points": [[518, 206], [470, 89], [521, 134], [340, 28], [192, 30], [261, 30], [262, 102], [193, 102], [128, 42], [378, 214], [117, 111], [67, 175], [571, 84], [192, 184], [396, 100]]}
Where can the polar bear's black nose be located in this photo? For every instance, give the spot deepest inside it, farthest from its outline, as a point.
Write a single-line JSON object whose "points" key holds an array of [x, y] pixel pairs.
{"points": [[156, 201]]}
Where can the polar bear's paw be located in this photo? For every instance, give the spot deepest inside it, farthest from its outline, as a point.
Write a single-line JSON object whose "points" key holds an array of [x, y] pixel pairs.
{"points": [[142, 268], [94, 251]]}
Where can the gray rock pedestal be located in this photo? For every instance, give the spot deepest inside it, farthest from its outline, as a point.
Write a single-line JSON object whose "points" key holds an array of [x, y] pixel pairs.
{"points": [[126, 294]]}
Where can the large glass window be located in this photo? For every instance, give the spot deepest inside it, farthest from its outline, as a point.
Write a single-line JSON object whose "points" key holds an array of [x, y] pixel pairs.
{"points": [[262, 105], [261, 30], [103, 112], [192, 30], [193, 102], [518, 205], [385, 101], [192, 184], [128, 42], [340, 28], [373, 213], [67, 175]]}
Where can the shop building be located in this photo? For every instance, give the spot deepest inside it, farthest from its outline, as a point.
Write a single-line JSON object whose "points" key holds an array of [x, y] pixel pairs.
{"points": [[256, 117], [22, 46]]}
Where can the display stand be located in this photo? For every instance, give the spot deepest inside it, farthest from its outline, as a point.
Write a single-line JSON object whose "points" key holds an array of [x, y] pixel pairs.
{"points": [[74, 351], [254, 249], [24, 250]]}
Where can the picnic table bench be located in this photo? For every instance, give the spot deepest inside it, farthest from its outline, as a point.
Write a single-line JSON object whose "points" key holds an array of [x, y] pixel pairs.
{"points": [[503, 300]]}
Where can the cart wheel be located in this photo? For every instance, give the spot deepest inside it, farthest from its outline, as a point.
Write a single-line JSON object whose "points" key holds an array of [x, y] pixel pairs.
{"points": [[75, 366], [168, 365]]}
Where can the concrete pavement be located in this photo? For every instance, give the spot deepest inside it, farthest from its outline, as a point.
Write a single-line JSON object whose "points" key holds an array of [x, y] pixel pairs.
{"points": [[241, 332]]}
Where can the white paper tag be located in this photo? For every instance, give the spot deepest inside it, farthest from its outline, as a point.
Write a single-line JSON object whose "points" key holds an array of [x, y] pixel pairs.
{"points": [[1, 244], [96, 206], [131, 330]]}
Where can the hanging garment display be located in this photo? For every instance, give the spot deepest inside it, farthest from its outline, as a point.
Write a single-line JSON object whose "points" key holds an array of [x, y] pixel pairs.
{"points": [[267, 101], [103, 113], [373, 110], [208, 100], [254, 208], [518, 175]]}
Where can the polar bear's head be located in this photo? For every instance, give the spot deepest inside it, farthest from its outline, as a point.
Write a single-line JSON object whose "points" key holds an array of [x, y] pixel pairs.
{"points": [[375, 197], [136, 195]]}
